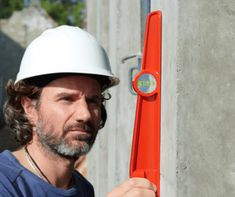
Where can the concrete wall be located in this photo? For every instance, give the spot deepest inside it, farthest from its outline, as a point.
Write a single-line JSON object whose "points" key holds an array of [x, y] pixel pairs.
{"points": [[198, 94], [116, 24], [169, 106], [206, 95]]}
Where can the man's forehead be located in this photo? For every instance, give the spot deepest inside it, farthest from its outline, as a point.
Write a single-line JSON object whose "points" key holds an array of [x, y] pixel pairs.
{"points": [[73, 84], [74, 78], [45, 80]]}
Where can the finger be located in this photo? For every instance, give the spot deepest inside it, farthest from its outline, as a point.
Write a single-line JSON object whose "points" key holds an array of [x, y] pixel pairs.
{"points": [[131, 184], [141, 183], [140, 192]]}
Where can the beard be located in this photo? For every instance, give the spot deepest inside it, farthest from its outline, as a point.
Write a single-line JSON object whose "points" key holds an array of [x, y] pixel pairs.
{"points": [[63, 146]]}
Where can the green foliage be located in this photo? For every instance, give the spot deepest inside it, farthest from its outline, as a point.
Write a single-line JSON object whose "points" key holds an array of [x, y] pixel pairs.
{"points": [[7, 7], [65, 12], [69, 12]]}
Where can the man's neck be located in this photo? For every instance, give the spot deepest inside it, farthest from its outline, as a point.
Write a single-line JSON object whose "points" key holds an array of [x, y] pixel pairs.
{"points": [[54, 169]]}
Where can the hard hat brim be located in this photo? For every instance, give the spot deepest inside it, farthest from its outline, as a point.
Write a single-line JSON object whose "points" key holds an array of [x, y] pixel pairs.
{"points": [[42, 80]]}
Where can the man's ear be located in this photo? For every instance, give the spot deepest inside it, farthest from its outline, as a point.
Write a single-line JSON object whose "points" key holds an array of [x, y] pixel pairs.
{"points": [[103, 116], [30, 110]]}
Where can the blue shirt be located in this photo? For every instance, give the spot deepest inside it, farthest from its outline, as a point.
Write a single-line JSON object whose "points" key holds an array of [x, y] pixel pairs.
{"points": [[16, 180]]}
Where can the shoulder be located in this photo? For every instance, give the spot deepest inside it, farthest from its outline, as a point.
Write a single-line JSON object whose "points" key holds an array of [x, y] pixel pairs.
{"points": [[83, 182], [8, 177], [9, 168], [81, 179]]}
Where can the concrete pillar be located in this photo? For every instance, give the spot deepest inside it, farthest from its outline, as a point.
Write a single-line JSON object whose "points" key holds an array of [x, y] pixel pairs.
{"points": [[116, 24], [169, 112], [200, 36]]}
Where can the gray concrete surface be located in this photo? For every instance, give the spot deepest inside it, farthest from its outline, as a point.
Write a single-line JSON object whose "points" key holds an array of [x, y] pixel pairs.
{"points": [[116, 25], [206, 95], [169, 106], [204, 98]]}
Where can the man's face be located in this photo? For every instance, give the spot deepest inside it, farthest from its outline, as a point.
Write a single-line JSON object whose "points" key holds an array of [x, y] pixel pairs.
{"points": [[68, 115]]}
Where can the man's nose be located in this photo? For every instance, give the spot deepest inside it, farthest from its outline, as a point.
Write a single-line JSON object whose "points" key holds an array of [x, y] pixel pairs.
{"points": [[82, 111]]}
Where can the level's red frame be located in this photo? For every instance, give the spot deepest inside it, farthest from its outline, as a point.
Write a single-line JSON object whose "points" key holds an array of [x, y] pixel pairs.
{"points": [[145, 155]]}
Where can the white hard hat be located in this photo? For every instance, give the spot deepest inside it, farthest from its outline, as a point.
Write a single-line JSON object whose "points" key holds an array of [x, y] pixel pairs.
{"points": [[65, 50]]}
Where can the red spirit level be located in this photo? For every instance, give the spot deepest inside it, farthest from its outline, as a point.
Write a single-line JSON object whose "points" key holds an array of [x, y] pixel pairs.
{"points": [[145, 156]]}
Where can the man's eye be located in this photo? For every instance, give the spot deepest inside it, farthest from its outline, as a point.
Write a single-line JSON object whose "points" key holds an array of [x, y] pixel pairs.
{"points": [[67, 98]]}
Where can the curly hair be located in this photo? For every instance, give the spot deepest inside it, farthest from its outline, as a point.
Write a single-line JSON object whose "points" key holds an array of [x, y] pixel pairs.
{"points": [[15, 116]]}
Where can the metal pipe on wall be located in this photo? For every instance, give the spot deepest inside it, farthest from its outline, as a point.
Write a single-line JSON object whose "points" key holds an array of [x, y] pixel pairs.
{"points": [[145, 8]]}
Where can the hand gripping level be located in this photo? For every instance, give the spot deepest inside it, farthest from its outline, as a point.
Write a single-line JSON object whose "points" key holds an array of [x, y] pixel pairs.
{"points": [[145, 155]]}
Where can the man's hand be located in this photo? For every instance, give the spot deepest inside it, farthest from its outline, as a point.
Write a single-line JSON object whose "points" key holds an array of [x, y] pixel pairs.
{"points": [[134, 187]]}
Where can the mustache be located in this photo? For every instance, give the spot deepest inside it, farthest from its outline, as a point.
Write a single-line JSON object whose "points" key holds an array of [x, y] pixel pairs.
{"points": [[88, 127]]}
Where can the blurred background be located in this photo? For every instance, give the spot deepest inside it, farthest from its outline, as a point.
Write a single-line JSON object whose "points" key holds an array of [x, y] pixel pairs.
{"points": [[198, 85]]}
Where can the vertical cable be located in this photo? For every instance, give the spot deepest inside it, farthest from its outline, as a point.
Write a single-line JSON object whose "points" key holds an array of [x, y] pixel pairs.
{"points": [[145, 8]]}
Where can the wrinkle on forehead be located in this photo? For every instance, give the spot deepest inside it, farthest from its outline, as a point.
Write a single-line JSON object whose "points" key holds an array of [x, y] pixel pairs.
{"points": [[83, 84]]}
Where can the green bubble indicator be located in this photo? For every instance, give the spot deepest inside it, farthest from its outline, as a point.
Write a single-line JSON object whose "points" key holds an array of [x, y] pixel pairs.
{"points": [[147, 83]]}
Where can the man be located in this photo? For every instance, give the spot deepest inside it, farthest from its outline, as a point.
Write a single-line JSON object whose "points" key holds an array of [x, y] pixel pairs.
{"points": [[55, 107]]}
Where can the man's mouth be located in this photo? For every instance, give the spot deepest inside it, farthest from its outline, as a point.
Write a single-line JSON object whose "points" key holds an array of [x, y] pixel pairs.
{"points": [[84, 128]]}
